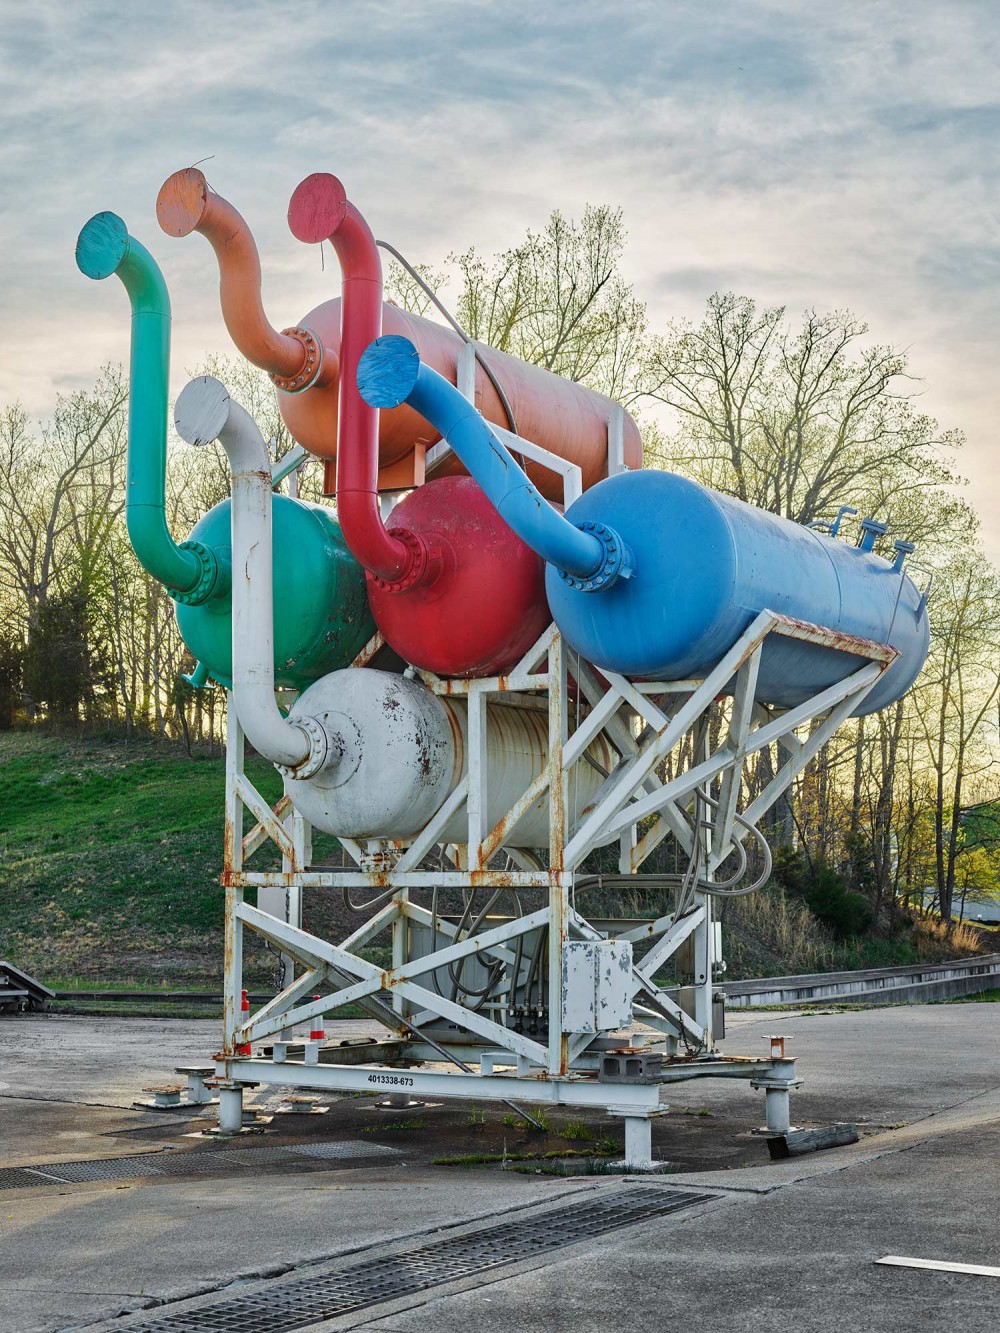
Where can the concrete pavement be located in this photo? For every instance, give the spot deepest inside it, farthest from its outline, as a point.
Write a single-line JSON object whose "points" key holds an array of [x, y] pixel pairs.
{"points": [[794, 1241]]}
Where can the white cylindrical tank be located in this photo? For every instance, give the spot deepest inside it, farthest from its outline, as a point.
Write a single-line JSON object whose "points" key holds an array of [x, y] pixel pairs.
{"points": [[405, 751]]}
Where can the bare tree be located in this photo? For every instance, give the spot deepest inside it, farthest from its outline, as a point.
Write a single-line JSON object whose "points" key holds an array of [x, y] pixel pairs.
{"points": [[956, 703], [795, 421]]}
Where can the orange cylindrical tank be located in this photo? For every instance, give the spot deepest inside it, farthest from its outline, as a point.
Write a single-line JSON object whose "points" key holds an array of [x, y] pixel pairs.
{"points": [[566, 418]]}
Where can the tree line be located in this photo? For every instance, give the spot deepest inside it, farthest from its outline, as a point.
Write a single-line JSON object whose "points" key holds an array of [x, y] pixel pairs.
{"points": [[799, 416]]}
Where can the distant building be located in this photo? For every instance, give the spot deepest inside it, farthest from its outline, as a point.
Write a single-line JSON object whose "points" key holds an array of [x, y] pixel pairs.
{"points": [[985, 910]]}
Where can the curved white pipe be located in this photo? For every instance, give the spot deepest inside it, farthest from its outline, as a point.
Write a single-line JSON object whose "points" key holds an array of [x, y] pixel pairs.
{"points": [[204, 412]]}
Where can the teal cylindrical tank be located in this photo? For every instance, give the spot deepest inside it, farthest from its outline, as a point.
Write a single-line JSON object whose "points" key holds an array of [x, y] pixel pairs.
{"points": [[321, 616]]}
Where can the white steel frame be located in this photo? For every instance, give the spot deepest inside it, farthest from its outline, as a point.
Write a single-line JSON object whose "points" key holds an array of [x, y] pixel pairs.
{"points": [[664, 760], [646, 724]]}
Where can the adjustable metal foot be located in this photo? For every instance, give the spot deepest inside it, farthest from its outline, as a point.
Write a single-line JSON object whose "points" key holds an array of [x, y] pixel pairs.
{"points": [[230, 1110], [197, 1093], [638, 1140], [777, 1114], [777, 1084]]}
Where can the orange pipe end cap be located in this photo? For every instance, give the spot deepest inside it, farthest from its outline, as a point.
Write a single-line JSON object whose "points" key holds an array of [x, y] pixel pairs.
{"points": [[317, 208], [181, 203]]}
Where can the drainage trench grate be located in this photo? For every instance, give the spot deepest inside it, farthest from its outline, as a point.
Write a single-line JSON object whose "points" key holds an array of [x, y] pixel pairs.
{"points": [[346, 1149], [190, 1163], [18, 1177], [125, 1168], [310, 1300]]}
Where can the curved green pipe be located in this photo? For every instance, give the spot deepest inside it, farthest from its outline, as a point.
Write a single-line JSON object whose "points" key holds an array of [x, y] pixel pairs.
{"points": [[191, 572]]}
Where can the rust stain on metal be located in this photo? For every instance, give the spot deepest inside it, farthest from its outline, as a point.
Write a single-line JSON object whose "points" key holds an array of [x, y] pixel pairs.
{"points": [[793, 628], [228, 851], [373, 646]]}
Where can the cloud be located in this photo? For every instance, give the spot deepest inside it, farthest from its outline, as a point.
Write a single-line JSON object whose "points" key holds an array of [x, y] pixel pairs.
{"points": [[829, 156]]}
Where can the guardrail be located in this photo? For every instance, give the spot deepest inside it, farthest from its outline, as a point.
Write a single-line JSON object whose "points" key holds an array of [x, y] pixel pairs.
{"points": [[913, 984]]}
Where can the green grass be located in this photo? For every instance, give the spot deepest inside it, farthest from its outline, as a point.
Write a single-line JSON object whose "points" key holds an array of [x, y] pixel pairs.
{"points": [[576, 1129], [134, 1009], [983, 997], [110, 852], [395, 1125], [605, 1148]]}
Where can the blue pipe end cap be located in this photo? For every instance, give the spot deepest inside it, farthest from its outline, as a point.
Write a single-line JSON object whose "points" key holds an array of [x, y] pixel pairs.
{"points": [[387, 371], [102, 245]]}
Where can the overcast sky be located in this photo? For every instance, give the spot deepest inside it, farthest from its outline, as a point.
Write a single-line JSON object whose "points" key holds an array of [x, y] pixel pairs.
{"points": [[836, 155]]}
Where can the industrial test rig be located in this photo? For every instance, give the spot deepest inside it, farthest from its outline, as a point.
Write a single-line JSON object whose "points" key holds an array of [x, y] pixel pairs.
{"points": [[496, 703]]}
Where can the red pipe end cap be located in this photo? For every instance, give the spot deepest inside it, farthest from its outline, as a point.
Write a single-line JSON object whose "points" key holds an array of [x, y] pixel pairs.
{"points": [[181, 202], [317, 208]]}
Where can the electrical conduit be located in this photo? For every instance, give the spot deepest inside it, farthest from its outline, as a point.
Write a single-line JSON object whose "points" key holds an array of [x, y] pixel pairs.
{"points": [[204, 412], [191, 573], [391, 372], [319, 210]]}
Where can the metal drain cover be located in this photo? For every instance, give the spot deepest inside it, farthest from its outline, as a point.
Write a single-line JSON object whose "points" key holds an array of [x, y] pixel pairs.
{"points": [[121, 1168], [294, 1305], [349, 1148], [211, 1162], [17, 1177]]}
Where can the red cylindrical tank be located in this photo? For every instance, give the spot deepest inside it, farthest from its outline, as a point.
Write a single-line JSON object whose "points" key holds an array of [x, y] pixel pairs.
{"points": [[485, 607]]}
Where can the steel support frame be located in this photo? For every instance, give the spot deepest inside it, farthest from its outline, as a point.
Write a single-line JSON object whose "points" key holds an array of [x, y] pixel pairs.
{"points": [[646, 723], [649, 726]]}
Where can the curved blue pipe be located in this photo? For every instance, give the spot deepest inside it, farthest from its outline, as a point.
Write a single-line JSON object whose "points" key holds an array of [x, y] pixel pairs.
{"points": [[390, 372]]}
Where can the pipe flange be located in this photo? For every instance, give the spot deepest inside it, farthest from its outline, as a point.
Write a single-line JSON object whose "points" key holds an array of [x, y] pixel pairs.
{"points": [[616, 564], [312, 362], [316, 759], [424, 564], [208, 575]]}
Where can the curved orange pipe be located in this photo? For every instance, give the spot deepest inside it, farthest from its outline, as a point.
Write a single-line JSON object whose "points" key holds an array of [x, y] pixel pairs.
{"points": [[295, 359]]}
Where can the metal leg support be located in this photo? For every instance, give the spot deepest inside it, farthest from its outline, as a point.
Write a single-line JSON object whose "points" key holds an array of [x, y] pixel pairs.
{"points": [[197, 1093], [230, 1110], [638, 1139], [777, 1085], [638, 1142], [776, 1110]]}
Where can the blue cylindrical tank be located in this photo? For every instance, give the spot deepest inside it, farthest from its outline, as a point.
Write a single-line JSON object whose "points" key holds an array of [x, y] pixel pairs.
{"points": [[705, 565], [653, 576]]}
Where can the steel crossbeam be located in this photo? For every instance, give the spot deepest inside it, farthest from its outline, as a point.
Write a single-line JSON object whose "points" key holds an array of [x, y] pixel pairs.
{"points": [[322, 957]]}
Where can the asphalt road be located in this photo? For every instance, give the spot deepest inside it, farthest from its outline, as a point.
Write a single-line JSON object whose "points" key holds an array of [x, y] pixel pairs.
{"points": [[793, 1242]]}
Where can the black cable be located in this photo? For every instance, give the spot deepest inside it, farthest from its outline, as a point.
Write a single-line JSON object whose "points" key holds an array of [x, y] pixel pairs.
{"points": [[431, 295]]}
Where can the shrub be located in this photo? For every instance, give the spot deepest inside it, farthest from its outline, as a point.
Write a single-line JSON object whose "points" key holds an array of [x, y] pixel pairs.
{"points": [[829, 899]]}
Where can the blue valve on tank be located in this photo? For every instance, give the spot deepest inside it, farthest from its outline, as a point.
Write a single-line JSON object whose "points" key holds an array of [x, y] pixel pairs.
{"points": [[871, 530]]}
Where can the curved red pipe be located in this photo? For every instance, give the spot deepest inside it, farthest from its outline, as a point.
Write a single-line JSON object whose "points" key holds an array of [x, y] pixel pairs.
{"points": [[319, 210]]}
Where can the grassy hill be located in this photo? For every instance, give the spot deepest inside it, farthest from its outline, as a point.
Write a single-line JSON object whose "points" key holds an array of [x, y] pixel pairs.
{"points": [[110, 852]]}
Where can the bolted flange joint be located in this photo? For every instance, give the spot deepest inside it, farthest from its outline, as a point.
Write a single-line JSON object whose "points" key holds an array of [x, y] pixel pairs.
{"points": [[616, 564], [208, 576], [425, 563], [319, 750], [312, 362]]}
